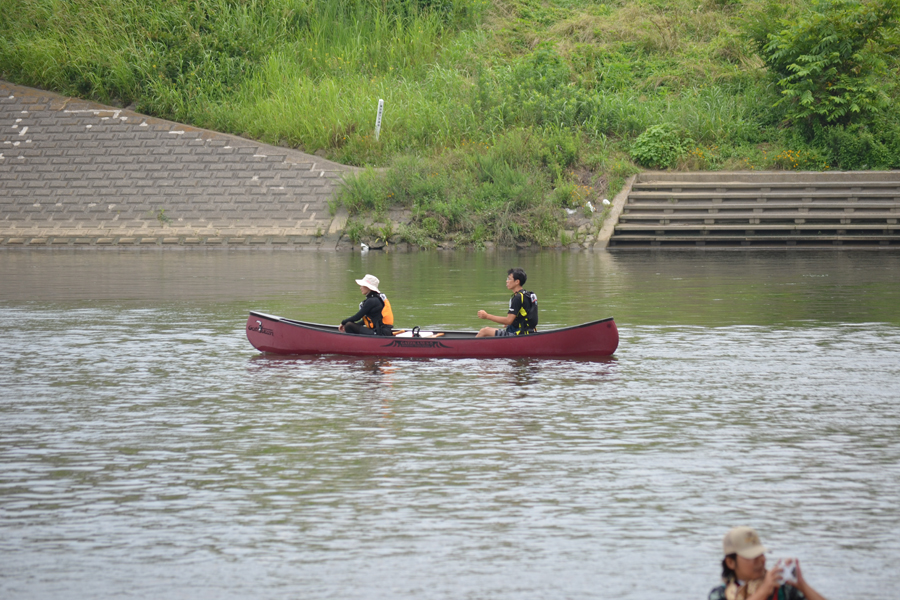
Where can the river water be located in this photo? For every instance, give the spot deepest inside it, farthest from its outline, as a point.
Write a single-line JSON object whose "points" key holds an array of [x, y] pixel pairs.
{"points": [[148, 451]]}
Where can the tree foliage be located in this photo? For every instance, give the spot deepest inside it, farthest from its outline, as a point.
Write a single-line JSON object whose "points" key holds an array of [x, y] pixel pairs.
{"points": [[831, 59]]}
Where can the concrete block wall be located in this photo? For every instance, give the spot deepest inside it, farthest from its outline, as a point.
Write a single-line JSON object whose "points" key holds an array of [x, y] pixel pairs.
{"points": [[76, 173]]}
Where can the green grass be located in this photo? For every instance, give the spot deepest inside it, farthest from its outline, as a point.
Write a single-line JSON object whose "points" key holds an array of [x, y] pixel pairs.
{"points": [[498, 115]]}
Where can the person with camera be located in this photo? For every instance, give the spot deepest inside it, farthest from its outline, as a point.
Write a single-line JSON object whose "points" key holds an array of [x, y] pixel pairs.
{"points": [[745, 577]]}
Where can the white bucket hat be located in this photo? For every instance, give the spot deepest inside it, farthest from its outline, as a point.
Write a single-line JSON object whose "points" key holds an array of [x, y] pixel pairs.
{"points": [[370, 281]]}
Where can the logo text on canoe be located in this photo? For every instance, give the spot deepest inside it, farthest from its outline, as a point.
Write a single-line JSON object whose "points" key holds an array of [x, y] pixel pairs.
{"points": [[259, 328], [415, 344]]}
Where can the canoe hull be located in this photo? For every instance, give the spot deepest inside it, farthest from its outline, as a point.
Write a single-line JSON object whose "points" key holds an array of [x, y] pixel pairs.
{"points": [[276, 335]]}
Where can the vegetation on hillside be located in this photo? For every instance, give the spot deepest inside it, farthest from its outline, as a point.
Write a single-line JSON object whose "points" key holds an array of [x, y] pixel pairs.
{"points": [[498, 115]]}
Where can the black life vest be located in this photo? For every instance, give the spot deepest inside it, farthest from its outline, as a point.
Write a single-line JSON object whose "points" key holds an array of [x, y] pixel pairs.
{"points": [[527, 317]]}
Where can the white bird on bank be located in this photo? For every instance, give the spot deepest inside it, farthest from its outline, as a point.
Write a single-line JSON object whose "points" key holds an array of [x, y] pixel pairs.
{"points": [[363, 248]]}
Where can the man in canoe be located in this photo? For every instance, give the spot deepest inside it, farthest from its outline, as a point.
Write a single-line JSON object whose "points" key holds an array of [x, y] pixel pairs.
{"points": [[522, 317], [374, 316]]}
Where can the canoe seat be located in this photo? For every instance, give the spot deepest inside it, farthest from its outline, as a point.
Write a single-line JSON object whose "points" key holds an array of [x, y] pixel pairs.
{"points": [[424, 334]]}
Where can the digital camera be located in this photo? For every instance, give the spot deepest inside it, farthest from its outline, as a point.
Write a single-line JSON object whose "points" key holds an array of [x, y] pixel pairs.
{"points": [[788, 570]]}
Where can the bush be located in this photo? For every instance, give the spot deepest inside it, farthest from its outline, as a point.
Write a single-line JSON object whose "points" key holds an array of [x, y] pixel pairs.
{"points": [[857, 147], [660, 146], [830, 59]]}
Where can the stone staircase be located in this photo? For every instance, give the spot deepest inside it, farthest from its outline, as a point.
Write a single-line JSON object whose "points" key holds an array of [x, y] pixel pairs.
{"points": [[761, 210]]}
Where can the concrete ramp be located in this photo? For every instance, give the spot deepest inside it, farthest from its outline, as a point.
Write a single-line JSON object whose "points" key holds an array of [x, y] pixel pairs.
{"points": [[76, 173], [775, 209]]}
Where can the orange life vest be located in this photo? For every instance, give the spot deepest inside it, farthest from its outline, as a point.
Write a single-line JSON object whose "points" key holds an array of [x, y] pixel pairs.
{"points": [[387, 315]]}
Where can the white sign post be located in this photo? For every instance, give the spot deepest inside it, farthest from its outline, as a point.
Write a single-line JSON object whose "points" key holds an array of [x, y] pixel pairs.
{"points": [[378, 118]]}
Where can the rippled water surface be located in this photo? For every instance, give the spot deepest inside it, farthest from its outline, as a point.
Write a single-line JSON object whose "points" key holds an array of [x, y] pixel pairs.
{"points": [[148, 451]]}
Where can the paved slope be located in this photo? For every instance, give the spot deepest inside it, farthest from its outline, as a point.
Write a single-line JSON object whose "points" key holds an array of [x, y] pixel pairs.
{"points": [[75, 173]]}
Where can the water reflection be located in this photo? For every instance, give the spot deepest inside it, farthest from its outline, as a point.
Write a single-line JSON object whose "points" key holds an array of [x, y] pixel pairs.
{"points": [[525, 372], [444, 290]]}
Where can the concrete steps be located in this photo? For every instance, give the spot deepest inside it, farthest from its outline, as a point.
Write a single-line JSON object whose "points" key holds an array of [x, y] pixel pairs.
{"points": [[767, 209]]}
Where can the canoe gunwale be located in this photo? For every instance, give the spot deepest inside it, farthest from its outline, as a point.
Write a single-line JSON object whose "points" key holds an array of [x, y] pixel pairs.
{"points": [[278, 335], [334, 329]]}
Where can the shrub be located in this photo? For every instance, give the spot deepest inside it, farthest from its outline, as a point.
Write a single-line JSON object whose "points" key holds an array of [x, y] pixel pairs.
{"points": [[856, 147], [660, 146], [830, 59]]}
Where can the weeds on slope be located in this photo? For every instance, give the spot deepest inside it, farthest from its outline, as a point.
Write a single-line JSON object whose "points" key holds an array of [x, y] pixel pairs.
{"points": [[494, 111]]}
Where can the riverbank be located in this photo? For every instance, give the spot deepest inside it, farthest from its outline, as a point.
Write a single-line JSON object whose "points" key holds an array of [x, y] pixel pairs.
{"points": [[502, 121], [80, 174], [77, 174]]}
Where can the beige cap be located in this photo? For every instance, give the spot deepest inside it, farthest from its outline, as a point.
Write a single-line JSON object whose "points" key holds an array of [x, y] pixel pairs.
{"points": [[370, 281], [744, 542]]}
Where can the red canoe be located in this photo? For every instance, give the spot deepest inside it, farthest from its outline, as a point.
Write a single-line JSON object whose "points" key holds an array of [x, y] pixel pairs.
{"points": [[277, 335]]}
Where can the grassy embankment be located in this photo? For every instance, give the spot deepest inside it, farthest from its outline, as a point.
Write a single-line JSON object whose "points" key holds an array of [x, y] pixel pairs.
{"points": [[498, 116]]}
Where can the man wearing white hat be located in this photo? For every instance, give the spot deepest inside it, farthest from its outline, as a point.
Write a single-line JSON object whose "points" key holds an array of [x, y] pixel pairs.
{"points": [[374, 316], [745, 576]]}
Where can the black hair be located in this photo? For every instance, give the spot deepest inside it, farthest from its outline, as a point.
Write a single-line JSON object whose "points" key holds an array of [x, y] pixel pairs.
{"points": [[727, 572], [519, 275]]}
